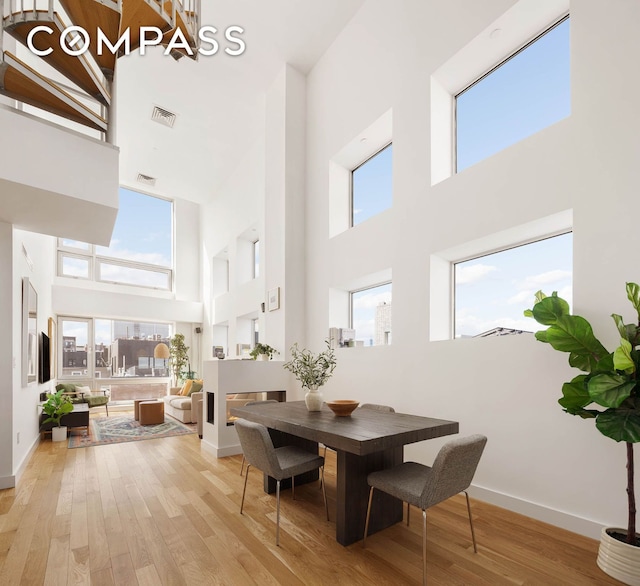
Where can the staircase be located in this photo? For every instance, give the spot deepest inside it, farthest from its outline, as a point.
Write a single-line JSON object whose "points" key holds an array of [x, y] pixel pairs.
{"points": [[82, 90]]}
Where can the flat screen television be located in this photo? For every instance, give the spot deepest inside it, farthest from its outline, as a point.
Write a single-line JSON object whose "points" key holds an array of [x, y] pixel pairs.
{"points": [[44, 356]]}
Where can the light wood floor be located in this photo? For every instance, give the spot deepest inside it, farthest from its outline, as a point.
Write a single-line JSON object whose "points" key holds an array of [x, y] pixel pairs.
{"points": [[163, 512]]}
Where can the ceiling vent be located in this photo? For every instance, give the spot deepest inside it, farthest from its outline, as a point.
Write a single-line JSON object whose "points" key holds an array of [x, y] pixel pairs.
{"points": [[147, 180], [164, 117]]}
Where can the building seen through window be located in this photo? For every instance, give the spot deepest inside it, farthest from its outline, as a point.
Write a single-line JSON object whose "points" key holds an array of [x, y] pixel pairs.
{"points": [[371, 315]]}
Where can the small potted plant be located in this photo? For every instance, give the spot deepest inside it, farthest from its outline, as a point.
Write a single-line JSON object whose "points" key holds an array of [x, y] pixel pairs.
{"points": [[56, 406], [608, 393], [312, 370], [263, 352]]}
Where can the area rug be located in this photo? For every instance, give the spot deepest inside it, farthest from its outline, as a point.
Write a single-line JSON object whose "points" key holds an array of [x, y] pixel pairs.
{"points": [[123, 428]]}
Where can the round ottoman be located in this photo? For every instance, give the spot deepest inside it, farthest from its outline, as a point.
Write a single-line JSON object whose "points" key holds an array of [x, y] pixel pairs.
{"points": [[151, 412]]}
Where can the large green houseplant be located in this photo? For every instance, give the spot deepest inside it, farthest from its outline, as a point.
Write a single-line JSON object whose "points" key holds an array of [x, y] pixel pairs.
{"points": [[56, 406], [609, 388], [179, 359]]}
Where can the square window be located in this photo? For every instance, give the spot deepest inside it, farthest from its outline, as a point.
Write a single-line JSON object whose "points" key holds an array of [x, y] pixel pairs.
{"points": [[371, 315], [371, 186], [519, 97], [492, 291], [74, 266]]}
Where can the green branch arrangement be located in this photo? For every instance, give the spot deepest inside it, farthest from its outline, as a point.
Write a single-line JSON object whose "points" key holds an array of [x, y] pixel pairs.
{"points": [[312, 370]]}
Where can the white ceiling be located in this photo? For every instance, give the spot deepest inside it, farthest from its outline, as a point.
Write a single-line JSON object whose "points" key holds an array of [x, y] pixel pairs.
{"points": [[219, 100]]}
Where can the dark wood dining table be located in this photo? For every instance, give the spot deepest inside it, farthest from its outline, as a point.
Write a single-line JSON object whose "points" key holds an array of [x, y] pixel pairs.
{"points": [[366, 441]]}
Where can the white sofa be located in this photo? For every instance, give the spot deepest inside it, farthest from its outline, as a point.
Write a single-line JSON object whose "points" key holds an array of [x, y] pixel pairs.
{"points": [[185, 409]]}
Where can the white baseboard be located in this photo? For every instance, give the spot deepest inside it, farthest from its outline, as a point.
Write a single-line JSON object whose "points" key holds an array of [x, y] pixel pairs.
{"points": [[12, 481], [7, 482], [580, 525], [220, 452]]}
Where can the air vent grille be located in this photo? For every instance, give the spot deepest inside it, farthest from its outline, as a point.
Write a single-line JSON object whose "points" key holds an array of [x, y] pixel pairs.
{"points": [[146, 179], [164, 117]]}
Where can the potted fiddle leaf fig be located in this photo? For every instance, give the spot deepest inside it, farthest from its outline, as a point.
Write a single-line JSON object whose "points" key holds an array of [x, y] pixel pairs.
{"points": [[56, 406], [607, 391]]}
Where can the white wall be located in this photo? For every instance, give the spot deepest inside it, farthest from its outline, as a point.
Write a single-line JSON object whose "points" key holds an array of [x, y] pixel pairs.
{"points": [[538, 460], [233, 211], [9, 355], [49, 193], [40, 250]]}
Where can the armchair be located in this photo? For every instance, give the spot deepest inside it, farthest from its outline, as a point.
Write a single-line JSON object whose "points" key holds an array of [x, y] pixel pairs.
{"points": [[84, 394]]}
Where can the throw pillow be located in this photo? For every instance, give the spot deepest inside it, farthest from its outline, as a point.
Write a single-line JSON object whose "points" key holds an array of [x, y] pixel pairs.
{"points": [[196, 387], [66, 387], [186, 387], [83, 389]]}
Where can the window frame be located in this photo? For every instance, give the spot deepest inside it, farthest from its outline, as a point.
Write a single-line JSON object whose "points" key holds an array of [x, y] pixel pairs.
{"points": [[95, 259], [485, 254], [256, 264], [64, 253], [94, 377], [486, 74], [360, 290], [351, 173]]}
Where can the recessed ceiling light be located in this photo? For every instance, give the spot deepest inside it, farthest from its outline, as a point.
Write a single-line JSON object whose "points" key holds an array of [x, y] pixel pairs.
{"points": [[495, 33], [363, 139]]}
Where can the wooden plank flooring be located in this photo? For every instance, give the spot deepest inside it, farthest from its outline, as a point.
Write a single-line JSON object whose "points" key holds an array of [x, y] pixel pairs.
{"points": [[163, 512]]}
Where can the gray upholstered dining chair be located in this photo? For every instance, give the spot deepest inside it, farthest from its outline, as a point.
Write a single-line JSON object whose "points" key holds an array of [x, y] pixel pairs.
{"points": [[425, 486], [279, 463], [246, 405]]}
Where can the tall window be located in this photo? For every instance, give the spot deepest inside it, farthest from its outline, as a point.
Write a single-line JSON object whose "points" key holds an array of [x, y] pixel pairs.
{"points": [[522, 95], [256, 259], [371, 315], [371, 186], [141, 249], [492, 291]]}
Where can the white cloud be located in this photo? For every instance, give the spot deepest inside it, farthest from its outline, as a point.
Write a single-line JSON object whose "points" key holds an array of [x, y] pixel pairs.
{"points": [[473, 273], [372, 300], [151, 258], [525, 296], [546, 279], [132, 276]]}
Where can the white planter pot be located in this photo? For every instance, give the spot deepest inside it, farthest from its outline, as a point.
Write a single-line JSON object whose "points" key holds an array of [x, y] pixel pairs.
{"points": [[262, 357], [58, 434], [314, 399], [618, 559]]}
